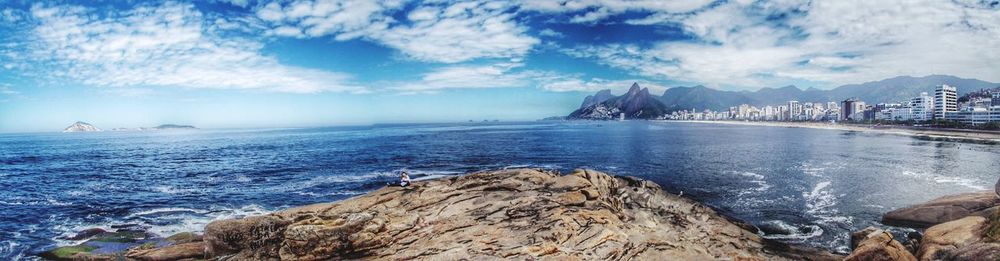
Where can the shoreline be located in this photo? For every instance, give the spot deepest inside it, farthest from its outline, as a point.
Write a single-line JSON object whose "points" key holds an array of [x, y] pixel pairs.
{"points": [[969, 135]]}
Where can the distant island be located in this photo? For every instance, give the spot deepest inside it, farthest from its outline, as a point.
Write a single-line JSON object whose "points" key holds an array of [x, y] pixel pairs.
{"points": [[173, 126], [81, 127], [87, 127]]}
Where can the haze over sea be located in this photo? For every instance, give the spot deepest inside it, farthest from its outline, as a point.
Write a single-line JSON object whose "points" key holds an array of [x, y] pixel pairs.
{"points": [[796, 184]]}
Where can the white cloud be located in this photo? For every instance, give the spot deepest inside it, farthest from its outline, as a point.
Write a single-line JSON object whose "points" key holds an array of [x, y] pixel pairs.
{"points": [[599, 10], [498, 75], [342, 19], [551, 33], [434, 32], [568, 84], [833, 42], [166, 45]]}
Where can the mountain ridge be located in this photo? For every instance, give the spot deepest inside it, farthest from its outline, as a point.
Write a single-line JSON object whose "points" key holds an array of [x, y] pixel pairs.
{"points": [[895, 89]]}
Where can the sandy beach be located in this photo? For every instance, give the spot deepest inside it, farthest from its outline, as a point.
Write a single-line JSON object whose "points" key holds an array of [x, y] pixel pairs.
{"points": [[956, 134]]}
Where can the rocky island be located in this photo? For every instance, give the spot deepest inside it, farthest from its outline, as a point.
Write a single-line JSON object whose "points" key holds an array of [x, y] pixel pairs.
{"points": [[174, 127], [81, 127], [508, 214]]}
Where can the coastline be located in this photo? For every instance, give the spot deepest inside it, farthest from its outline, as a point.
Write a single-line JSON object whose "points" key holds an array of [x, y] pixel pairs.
{"points": [[957, 134]]}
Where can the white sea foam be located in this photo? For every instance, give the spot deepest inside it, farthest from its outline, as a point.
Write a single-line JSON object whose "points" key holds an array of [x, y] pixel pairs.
{"points": [[819, 200], [161, 221], [791, 232], [757, 179], [173, 190], [941, 179]]}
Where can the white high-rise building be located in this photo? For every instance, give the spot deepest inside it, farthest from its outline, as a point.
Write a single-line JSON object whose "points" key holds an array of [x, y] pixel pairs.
{"points": [[921, 108], [945, 101]]}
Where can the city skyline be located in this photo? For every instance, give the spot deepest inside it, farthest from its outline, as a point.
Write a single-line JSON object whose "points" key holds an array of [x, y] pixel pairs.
{"points": [[250, 64]]}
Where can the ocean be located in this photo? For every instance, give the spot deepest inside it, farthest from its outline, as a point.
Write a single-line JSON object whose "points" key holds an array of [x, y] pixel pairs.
{"points": [[807, 186]]}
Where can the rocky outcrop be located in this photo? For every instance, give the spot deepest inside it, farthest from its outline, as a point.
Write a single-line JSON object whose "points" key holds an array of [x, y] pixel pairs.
{"points": [[961, 239], [872, 244], [943, 210], [510, 214], [129, 243]]}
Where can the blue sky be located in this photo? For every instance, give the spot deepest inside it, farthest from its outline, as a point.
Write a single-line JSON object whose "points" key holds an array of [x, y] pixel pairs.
{"points": [[302, 63]]}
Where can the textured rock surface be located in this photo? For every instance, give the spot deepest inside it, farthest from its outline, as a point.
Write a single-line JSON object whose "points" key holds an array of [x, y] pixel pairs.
{"points": [[511, 214], [943, 210], [878, 245], [172, 252], [958, 240]]}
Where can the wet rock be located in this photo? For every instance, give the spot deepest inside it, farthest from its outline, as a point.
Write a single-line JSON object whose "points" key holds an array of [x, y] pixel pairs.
{"points": [[878, 245], [943, 210], [105, 245], [168, 253], [996, 188], [67, 252], [86, 233], [509, 214], [858, 236], [912, 243]]}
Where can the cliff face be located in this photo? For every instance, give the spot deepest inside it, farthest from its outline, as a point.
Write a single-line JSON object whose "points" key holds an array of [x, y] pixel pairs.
{"points": [[511, 214]]}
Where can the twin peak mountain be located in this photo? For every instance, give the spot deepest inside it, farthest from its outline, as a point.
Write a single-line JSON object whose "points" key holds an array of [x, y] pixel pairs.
{"points": [[637, 103]]}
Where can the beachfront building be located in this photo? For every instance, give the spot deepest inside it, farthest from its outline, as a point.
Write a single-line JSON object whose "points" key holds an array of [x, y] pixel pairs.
{"points": [[971, 115], [852, 110], [945, 101]]}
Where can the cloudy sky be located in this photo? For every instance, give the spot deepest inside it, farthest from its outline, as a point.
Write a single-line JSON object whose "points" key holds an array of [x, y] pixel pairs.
{"points": [[300, 63]]}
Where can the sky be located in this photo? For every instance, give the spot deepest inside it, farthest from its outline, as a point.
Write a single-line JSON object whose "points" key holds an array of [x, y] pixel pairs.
{"points": [[308, 63]]}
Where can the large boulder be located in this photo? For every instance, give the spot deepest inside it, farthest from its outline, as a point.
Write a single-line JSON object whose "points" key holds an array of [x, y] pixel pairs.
{"points": [[959, 240], [510, 214], [878, 245], [943, 210]]}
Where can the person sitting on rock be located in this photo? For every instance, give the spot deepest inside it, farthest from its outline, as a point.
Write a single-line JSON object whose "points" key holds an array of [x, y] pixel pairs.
{"points": [[404, 179]]}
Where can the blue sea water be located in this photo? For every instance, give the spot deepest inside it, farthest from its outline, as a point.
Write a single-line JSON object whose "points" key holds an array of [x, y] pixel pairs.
{"points": [[804, 186]]}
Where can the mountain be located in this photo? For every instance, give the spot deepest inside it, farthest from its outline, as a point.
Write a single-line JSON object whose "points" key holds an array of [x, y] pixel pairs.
{"points": [[81, 127], [173, 126], [889, 90], [637, 103], [599, 97]]}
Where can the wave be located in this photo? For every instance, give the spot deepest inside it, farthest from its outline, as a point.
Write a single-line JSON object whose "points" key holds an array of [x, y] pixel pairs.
{"points": [[940, 179], [777, 229], [162, 221], [753, 178]]}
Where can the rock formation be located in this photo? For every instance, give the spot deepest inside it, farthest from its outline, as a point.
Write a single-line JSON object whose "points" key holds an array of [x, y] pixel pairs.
{"points": [[511, 214], [873, 244], [962, 239], [81, 127], [944, 209]]}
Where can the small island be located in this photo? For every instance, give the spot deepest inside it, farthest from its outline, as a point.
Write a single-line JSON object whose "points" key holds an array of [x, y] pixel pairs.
{"points": [[173, 127], [81, 127]]}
